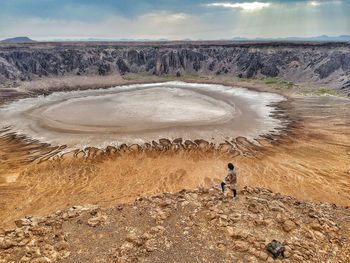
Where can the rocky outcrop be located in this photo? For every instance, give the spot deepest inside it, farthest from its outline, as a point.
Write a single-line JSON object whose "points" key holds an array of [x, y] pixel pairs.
{"points": [[326, 64], [188, 226]]}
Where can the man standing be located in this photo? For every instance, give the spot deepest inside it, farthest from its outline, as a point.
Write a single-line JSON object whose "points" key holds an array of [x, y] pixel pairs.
{"points": [[230, 180]]}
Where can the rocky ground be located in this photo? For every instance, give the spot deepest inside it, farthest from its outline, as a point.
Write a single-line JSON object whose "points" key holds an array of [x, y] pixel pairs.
{"points": [[200, 225], [317, 63]]}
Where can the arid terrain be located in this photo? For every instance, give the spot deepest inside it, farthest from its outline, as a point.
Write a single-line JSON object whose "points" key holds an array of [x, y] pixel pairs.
{"points": [[304, 163], [325, 64], [197, 225]]}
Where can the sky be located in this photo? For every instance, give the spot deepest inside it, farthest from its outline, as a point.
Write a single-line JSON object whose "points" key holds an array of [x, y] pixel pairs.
{"points": [[172, 19]]}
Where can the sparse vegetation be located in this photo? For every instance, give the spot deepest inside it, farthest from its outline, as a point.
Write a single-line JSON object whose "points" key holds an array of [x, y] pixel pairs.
{"points": [[281, 83], [276, 84], [327, 91], [166, 77]]}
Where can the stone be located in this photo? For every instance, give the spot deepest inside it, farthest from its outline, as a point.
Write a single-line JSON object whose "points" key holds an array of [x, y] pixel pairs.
{"points": [[64, 254], [157, 229], [97, 220], [38, 230], [288, 225], [165, 142], [132, 237], [287, 253], [23, 222], [263, 255], [33, 251], [161, 229], [150, 245], [134, 147], [238, 233], [225, 147], [316, 226], [41, 260], [62, 245], [241, 246], [146, 236], [24, 259], [6, 243], [73, 213], [167, 202], [253, 208], [221, 246]]}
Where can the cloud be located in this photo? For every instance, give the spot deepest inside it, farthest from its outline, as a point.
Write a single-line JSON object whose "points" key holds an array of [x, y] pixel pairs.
{"points": [[246, 6], [173, 19], [315, 3], [155, 25], [319, 3], [165, 16]]}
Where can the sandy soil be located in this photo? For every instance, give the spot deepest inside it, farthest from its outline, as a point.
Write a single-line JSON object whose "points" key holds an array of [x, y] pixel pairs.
{"points": [[311, 161]]}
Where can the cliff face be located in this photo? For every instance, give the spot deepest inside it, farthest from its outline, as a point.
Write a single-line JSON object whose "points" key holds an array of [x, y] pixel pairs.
{"points": [[326, 64]]}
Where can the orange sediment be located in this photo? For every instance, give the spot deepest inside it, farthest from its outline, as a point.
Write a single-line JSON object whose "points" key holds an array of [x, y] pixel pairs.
{"points": [[310, 160]]}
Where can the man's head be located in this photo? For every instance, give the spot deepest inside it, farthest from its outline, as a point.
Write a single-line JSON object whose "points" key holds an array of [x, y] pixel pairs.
{"points": [[230, 166]]}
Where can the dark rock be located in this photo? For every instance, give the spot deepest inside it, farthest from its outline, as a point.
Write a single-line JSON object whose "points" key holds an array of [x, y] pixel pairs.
{"points": [[123, 67], [300, 62], [104, 69]]}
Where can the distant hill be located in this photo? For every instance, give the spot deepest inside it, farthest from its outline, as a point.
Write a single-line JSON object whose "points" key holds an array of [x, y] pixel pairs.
{"points": [[17, 40], [323, 38], [91, 39]]}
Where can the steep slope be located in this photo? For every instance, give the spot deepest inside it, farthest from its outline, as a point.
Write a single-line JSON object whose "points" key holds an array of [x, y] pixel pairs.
{"points": [[325, 64], [190, 226]]}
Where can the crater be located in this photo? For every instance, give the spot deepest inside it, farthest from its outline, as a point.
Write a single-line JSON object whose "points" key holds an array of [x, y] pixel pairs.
{"points": [[142, 113]]}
